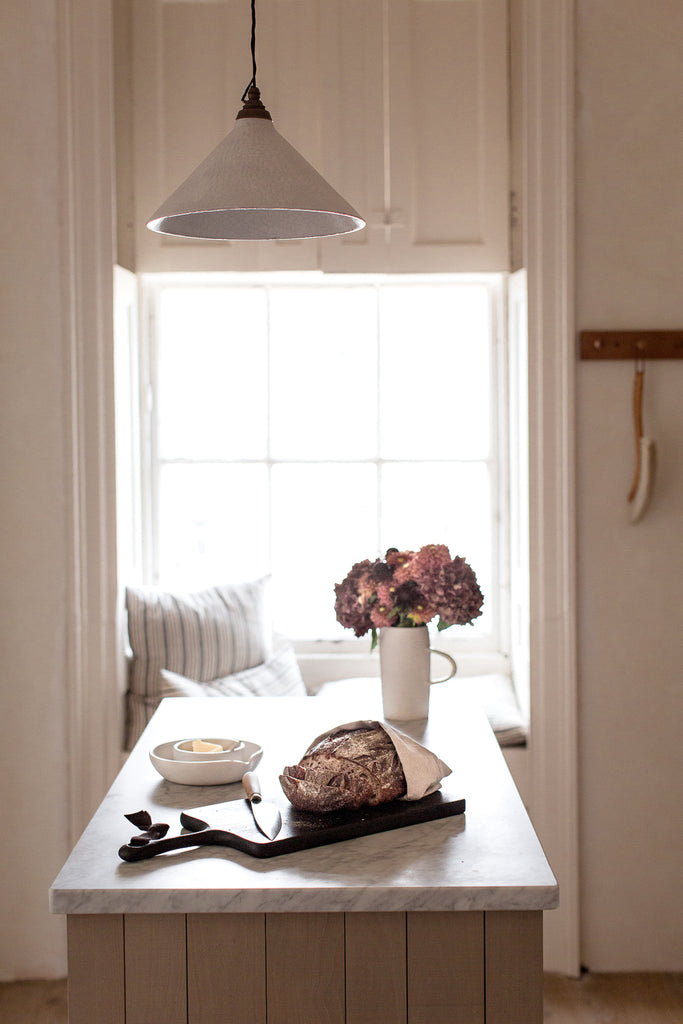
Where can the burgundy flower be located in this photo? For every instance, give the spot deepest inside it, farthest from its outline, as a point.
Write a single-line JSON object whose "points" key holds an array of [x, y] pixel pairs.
{"points": [[454, 592], [352, 605], [381, 572], [406, 595]]}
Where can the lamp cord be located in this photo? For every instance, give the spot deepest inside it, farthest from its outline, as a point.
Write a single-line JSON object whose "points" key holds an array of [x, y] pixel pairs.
{"points": [[252, 81]]}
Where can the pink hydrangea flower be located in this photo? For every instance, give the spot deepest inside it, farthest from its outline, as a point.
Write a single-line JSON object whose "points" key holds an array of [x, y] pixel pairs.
{"points": [[429, 561]]}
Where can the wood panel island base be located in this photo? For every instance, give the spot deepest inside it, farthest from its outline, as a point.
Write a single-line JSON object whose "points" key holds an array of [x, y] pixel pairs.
{"points": [[432, 967], [436, 923]]}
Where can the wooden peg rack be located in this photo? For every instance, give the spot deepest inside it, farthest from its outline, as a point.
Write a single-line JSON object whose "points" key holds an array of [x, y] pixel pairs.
{"points": [[631, 344]]}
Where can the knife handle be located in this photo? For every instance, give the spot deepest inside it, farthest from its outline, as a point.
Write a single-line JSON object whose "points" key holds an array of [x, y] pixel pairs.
{"points": [[252, 787]]}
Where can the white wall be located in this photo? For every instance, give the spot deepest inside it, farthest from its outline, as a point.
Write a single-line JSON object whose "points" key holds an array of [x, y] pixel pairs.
{"points": [[629, 265], [33, 511], [60, 719]]}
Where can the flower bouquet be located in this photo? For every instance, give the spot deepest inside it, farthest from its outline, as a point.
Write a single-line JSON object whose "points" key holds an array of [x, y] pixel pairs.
{"points": [[408, 588]]}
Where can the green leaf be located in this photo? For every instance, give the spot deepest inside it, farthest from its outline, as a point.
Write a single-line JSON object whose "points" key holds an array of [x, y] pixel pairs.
{"points": [[375, 638], [442, 625]]}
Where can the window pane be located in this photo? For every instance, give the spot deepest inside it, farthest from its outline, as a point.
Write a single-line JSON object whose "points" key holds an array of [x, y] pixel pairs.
{"points": [[437, 503], [324, 520], [293, 419], [434, 372], [323, 373], [211, 387], [213, 524]]}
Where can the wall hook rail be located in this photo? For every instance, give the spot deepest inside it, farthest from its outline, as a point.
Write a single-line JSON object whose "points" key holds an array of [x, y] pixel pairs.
{"points": [[631, 345], [638, 346]]}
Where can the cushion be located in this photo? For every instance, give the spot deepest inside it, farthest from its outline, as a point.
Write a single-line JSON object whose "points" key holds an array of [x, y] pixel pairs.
{"points": [[202, 635], [279, 676], [496, 693]]}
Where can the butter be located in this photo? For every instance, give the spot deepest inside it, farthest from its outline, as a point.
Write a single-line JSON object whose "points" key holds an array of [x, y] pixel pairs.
{"points": [[201, 746]]}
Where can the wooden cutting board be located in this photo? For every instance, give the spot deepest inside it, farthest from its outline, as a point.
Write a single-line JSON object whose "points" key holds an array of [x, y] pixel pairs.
{"points": [[231, 824], [302, 830]]}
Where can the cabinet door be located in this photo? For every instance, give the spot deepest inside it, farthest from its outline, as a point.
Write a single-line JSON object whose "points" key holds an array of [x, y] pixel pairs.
{"points": [[422, 136], [400, 104], [448, 116]]}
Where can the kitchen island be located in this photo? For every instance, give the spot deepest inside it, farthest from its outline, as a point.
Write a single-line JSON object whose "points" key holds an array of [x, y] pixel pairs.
{"points": [[436, 922]]}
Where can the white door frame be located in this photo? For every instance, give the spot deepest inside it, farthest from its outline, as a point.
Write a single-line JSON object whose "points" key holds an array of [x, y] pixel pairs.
{"points": [[546, 81], [547, 216], [86, 154]]}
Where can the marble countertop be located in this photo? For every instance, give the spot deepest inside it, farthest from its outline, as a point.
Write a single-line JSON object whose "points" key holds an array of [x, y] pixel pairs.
{"points": [[487, 859]]}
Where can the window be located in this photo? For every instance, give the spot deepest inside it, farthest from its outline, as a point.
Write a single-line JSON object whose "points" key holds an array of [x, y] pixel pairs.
{"points": [[297, 424]]}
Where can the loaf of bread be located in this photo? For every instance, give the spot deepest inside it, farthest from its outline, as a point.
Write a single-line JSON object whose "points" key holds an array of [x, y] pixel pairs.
{"points": [[345, 771]]}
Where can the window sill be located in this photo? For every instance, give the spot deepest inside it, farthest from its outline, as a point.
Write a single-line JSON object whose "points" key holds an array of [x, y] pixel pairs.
{"points": [[494, 691], [321, 667]]}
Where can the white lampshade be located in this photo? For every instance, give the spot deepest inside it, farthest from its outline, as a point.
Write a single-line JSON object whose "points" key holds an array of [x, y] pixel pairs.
{"points": [[254, 185]]}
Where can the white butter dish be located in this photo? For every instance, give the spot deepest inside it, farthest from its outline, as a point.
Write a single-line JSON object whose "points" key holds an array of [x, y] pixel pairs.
{"points": [[229, 768]]}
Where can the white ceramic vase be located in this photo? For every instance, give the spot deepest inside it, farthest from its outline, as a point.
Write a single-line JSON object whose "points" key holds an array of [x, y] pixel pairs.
{"points": [[405, 669]]}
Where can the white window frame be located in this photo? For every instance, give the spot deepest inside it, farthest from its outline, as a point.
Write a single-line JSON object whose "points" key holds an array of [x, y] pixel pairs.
{"points": [[350, 655]]}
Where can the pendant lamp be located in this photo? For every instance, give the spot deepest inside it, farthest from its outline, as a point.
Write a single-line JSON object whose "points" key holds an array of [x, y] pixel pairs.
{"points": [[254, 185]]}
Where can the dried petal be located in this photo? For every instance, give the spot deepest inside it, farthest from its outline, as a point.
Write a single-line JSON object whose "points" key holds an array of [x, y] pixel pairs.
{"points": [[141, 819]]}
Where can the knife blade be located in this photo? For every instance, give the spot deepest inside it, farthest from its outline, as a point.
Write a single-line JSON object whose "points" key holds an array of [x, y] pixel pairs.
{"points": [[267, 817]]}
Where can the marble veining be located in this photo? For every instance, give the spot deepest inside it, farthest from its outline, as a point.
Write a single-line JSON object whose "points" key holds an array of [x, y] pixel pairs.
{"points": [[487, 859]]}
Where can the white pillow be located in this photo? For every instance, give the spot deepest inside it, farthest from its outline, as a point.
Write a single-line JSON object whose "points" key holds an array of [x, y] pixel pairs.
{"points": [[279, 676], [201, 635]]}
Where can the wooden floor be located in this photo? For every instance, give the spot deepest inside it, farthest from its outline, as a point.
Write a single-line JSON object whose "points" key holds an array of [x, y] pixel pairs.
{"points": [[33, 1002], [614, 999], [592, 999]]}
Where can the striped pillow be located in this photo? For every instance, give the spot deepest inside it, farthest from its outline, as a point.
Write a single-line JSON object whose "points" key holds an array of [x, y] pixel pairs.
{"points": [[279, 676], [203, 635]]}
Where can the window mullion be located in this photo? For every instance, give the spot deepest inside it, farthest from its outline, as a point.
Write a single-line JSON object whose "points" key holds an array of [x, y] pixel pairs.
{"points": [[269, 423], [151, 463], [378, 437]]}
